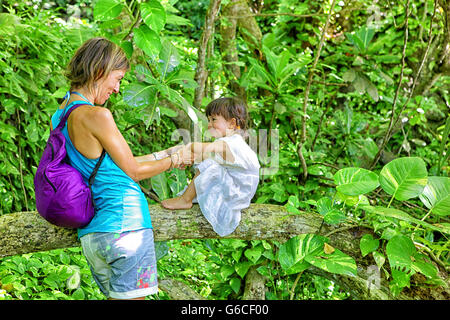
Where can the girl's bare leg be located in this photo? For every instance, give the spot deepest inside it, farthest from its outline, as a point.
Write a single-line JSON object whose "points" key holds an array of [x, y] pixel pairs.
{"points": [[183, 201]]}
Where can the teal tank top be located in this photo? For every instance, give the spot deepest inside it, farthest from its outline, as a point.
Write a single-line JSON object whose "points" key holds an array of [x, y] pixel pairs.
{"points": [[120, 205]]}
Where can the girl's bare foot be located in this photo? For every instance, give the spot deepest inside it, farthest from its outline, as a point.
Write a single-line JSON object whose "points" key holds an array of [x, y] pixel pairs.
{"points": [[176, 203]]}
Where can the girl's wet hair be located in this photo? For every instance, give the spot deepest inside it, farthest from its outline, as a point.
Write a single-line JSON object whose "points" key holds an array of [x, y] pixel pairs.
{"points": [[229, 108]]}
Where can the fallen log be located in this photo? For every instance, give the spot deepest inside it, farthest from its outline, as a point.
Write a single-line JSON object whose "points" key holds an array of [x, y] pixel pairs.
{"points": [[26, 232]]}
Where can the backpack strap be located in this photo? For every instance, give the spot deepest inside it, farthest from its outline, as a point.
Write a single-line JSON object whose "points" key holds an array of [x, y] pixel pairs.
{"points": [[97, 166], [62, 122], [102, 156]]}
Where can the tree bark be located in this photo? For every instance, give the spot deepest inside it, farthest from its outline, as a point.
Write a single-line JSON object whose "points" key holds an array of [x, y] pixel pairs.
{"points": [[236, 14], [178, 290], [255, 288], [201, 73], [25, 232]]}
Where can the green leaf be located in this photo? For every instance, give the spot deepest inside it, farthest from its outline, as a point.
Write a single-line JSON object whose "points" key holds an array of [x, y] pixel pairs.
{"points": [[293, 252], [226, 271], [368, 244], [398, 214], [169, 58], [64, 257], [379, 258], [147, 40], [404, 178], [324, 205], [400, 249], [78, 294], [236, 255], [361, 38], [334, 217], [235, 284], [177, 180], [242, 268], [293, 204], [355, 181], [337, 262], [436, 195], [139, 94], [253, 254], [160, 186], [349, 75], [154, 15], [107, 9]]}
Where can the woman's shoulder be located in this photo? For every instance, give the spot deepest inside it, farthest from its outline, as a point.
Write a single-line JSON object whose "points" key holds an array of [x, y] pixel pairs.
{"points": [[95, 113]]}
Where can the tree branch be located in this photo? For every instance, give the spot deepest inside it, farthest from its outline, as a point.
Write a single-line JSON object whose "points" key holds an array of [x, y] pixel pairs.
{"points": [[308, 86], [26, 232], [394, 103], [393, 122], [201, 73]]}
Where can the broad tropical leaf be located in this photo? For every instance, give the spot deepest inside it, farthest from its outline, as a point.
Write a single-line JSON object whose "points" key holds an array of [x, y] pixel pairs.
{"points": [[147, 40], [299, 252], [107, 9], [436, 195], [398, 214], [355, 181], [293, 252], [337, 262], [403, 255], [139, 94], [404, 178], [160, 186], [154, 15]]}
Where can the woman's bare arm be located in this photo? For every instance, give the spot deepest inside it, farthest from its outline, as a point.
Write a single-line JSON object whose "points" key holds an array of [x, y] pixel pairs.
{"points": [[104, 129]]}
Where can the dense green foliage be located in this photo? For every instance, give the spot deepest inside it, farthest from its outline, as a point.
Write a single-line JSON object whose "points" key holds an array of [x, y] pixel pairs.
{"points": [[353, 100]]}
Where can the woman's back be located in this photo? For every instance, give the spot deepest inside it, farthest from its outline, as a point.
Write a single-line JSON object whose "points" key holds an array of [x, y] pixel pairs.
{"points": [[119, 202]]}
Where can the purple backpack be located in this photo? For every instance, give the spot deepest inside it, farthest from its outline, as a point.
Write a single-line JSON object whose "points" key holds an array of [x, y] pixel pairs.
{"points": [[62, 196]]}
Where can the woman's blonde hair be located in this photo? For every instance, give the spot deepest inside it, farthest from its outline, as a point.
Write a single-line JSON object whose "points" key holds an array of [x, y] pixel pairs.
{"points": [[96, 58]]}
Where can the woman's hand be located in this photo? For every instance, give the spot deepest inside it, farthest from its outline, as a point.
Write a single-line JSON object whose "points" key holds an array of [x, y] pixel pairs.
{"points": [[182, 158]]}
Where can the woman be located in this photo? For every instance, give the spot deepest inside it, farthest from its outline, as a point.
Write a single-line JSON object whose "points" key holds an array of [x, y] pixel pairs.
{"points": [[118, 242]]}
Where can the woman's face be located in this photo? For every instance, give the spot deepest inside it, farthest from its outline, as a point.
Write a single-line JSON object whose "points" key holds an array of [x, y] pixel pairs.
{"points": [[108, 85]]}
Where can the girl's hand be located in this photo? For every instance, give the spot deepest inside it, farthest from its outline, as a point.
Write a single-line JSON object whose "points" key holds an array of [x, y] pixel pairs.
{"points": [[182, 158]]}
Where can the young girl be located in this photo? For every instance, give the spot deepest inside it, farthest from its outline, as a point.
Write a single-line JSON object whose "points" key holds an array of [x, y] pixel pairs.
{"points": [[228, 174]]}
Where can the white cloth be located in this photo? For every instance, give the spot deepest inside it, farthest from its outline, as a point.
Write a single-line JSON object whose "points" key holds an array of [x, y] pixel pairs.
{"points": [[224, 189]]}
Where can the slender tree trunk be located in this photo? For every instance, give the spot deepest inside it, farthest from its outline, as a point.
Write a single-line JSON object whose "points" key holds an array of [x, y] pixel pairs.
{"points": [[201, 73], [238, 14]]}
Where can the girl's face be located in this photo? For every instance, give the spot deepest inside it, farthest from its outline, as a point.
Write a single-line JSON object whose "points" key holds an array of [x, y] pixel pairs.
{"points": [[107, 86], [219, 127]]}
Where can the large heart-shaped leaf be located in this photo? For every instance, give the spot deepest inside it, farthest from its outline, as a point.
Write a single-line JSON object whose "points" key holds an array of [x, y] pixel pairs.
{"points": [[337, 262], [436, 195], [169, 58], [400, 249], [293, 252], [154, 15], [139, 94], [404, 178], [403, 255], [301, 251], [107, 9], [160, 186], [355, 181], [147, 40]]}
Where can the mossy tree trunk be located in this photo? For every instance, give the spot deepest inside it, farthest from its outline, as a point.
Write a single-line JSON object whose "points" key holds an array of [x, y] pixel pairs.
{"points": [[25, 232]]}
